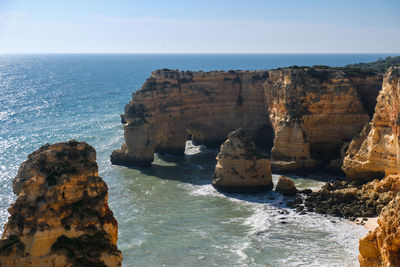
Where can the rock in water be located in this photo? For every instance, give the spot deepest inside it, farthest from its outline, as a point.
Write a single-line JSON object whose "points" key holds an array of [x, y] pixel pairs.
{"points": [[305, 114], [375, 152], [382, 247], [241, 167], [286, 186], [61, 216]]}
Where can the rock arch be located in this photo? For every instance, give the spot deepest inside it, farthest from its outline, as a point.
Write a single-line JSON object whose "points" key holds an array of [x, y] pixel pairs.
{"points": [[300, 112]]}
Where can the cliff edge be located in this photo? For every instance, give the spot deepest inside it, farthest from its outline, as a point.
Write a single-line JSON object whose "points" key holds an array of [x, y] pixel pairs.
{"points": [[302, 115], [375, 152]]}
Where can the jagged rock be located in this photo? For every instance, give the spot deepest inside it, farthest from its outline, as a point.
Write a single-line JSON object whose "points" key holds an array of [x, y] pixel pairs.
{"points": [[61, 216], [241, 167], [381, 248], [375, 152], [345, 200], [306, 114], [286, 186]]}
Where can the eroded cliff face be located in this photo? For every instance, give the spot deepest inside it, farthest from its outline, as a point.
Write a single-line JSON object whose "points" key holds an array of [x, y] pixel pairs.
{"points": [[375, 152], [61, 216], [306, 114], [314, 112], [206, 106], [381, 248], [241, 167]]}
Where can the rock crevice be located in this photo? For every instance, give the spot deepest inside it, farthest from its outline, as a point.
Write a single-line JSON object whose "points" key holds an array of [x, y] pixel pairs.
{"points": [[375, 152]]}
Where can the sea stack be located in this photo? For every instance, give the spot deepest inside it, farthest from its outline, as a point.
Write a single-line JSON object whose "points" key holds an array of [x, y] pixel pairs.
{"points": [[61, 216], [241, 167], [375, 152]]}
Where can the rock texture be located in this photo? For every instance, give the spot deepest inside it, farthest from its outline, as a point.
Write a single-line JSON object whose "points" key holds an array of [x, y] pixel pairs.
{"points": [[286, 186], [61, 216], [305, 114], [375, 152], [314, 112], [381, 248], [173, 106], [241, 167], [345, 200]]}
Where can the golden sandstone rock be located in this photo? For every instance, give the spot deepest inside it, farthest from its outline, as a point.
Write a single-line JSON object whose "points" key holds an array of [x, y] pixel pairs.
{"points": [[314, 112], [286, 186], [381, 248], [241, 167], [61, 216], [306, 114], [375, 152]]}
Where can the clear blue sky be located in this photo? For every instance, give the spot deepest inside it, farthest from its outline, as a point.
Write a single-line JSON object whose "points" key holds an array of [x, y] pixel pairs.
{"points": [[202, 26]]}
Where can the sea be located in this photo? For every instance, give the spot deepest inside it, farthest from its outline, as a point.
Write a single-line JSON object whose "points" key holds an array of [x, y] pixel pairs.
{"points": [[169, 214]]}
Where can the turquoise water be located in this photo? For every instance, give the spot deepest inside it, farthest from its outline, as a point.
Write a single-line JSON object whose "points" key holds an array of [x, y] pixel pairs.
{"points": [[168, 215]]}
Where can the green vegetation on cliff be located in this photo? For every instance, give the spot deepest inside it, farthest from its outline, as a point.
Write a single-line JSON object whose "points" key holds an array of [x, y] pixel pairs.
{"points": [[381, 65]]}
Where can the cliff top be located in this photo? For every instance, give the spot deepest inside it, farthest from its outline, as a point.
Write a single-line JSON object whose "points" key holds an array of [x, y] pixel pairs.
{"points": [[381, 65]]}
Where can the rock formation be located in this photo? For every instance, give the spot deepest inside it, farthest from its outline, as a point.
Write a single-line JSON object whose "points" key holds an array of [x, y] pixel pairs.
{"points": [[241, 167], [61, 216], [343, 199], [382, 247], [305, 114], [286, 186], [314, 112], [375, 152], [205, 106]]}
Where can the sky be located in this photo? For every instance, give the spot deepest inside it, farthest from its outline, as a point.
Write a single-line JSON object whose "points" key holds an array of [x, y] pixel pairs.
{"points": [[202, 26]]}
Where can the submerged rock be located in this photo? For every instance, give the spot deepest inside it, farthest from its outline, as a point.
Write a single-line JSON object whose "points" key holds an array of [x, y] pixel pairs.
{"points": [[241, 167], [375, 152], [286, 186], [382, 247], [61, 216]]}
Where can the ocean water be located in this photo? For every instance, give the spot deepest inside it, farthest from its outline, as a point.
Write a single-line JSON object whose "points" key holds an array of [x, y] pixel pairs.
{"points": [[168, 215]]}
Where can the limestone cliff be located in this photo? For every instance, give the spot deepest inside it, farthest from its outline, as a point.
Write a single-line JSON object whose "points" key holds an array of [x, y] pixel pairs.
{"points": [[173, 106], [306, 114], [61, 216], [240, 166], [381, 248], [375, 152], [315, 111]]}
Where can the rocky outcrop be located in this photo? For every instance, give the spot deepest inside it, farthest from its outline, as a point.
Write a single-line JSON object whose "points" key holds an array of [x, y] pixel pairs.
{"points": [[305, 114], [241, 167], [61, 216], [343, 199], [382, 247], [375, 152], [286, 186]]}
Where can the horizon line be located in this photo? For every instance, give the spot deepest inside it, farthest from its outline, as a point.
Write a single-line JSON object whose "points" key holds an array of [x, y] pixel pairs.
{"points": [[199, 53]]}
